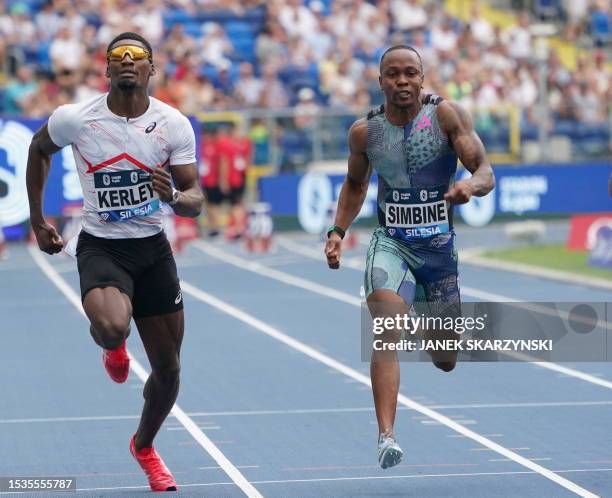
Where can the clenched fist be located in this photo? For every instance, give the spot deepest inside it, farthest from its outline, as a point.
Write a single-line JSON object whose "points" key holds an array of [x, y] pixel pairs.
{"points": [[333, 250]]}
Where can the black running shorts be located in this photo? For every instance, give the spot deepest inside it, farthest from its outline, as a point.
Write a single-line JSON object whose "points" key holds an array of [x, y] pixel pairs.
{"points": [[144, 269], [215, 196]]}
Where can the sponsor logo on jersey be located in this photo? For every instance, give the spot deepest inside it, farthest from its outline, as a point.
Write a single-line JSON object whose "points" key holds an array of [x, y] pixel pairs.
{"points": [[151, 127]]}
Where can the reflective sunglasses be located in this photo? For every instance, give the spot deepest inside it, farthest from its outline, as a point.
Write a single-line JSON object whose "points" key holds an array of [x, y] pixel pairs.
{"points": [[136, 53]]}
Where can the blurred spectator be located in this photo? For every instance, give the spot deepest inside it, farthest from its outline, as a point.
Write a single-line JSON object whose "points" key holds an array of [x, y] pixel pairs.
{"points": [[89, 87], [460, 89], [374, 34], [49, 97], [166, 91], [296, 18], [517, 38], [576, 12], [273, 94], [320, 40], [428, 54], [74, 21], [178, 44], [47, 22], [209, 178], [497, 59], [557, 73], [19, 92], [226, 156], [149, 21], [561, 102], [248, 87], [23, 29], [199, 94], [224, 81], [306, 110], [271, 44], [586, 103], [408, 15], [342, 87], [601, 74], [215, 47], [443, 36], [361, 101], [259, 134], [601, 22], [234, 152], [487, 90], [482, 31], [66, 50]]}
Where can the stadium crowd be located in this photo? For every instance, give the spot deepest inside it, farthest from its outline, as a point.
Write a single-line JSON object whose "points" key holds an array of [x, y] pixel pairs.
{"points": [[289, 53]]}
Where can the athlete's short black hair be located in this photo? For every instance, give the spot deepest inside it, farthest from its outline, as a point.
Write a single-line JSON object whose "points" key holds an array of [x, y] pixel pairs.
{"points": [[398, 47], [129, 35]]}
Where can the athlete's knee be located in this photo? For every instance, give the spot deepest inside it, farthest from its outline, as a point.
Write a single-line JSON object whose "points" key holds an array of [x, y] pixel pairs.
{"points": [[168, 374], [446, 366], [111, 332]]}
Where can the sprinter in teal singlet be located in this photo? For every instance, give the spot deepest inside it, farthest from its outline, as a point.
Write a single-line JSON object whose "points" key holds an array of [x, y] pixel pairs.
{"points": [[412, 142]]}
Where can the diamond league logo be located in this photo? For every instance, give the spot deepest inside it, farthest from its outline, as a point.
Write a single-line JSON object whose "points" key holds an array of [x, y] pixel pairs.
{"points": [[396, 195], [15, 139]]}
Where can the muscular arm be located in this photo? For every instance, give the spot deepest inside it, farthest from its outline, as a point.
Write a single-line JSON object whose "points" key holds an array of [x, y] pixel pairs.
{"points": [[354, 189], [355, 186], [186, 180], [39, 163], [456, 122]]}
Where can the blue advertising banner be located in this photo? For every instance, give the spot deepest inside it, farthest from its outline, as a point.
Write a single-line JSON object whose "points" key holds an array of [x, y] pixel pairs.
{"points": [[528, 189], [63, 186]]}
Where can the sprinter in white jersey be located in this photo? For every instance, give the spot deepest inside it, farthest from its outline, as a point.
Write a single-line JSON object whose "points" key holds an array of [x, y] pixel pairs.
{"points": [[129, 149]]}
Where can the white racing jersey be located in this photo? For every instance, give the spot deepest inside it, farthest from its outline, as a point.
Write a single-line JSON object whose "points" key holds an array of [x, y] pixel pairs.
{"points": [[115, 157]]}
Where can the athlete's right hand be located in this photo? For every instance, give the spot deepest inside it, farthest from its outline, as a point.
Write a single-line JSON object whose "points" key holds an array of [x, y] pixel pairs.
{"points": [[48, 239], [333, 250]]}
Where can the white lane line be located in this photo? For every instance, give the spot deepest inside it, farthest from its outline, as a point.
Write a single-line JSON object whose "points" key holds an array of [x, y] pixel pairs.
{"points": [[332, 479], [211, 428], [402, 399], [485, 435], [306, 411], [229, 468], [216, 467], [532, 459], [470, 291], [460, 421], [489, 449], [536, 271], [266, 271]]}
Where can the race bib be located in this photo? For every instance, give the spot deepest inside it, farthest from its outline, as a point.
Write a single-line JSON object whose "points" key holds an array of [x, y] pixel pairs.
{"points": [[416, 212], [123, 195]]}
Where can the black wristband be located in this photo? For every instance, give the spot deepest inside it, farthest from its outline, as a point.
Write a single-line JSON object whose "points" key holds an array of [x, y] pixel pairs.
{"points": [[337, 229]]}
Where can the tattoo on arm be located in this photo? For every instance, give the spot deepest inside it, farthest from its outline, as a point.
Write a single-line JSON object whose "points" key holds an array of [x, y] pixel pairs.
{"points": [[456, 122]]}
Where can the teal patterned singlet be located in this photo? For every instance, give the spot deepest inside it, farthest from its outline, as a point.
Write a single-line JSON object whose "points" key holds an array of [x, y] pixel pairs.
{"points": [[415, 165]]}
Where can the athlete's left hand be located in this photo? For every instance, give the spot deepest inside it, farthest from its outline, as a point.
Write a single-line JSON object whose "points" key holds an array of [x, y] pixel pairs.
{"points": [[162, 184], [459, 193]]}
